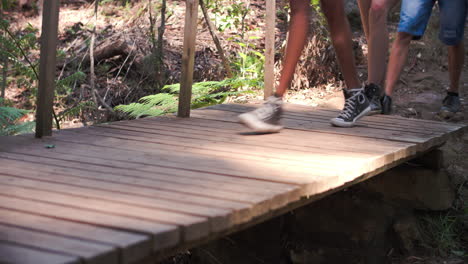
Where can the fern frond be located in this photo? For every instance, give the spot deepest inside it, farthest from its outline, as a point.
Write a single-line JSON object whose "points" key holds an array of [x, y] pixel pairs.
{"points": [[21, 128], [8, 121], [203, 94], [9, 115], [67, 82], [158, 99], [171, 88]]}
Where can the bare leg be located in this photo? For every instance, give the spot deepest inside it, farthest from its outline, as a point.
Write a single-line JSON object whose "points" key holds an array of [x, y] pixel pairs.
{"points": [[378, 40], [398, 57], [364, 7], [340, 32], [456, 57], [298, 30]]}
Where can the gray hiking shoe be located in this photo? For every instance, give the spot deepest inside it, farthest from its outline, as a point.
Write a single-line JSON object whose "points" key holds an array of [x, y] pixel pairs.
{"points": [[373, 92], [356, 106], [265, 119], [450, 105]]}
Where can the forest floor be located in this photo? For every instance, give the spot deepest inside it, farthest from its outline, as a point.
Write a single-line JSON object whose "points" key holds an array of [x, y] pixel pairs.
{"points": [[419, 93]]}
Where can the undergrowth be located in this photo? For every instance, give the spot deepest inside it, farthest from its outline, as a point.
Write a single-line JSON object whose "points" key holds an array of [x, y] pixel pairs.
{"points": [[10, 123], [444, 233], [203, 94]]}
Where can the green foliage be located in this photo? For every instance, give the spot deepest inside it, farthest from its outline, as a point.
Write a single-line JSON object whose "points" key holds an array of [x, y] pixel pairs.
{"points": [[203, 94], [65, 85], [441, 233], [229, 15], [9, 124], [15, 49], [7, 4], [250, 63], [76, 110], [151, 105]]}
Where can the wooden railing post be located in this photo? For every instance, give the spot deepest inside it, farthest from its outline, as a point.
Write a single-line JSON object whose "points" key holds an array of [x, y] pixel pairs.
{"points": [[45, 97], [270, 48], [188, 58]]}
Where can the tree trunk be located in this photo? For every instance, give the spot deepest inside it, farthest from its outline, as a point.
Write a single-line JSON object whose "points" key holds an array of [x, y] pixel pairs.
{"points": [[92, 78], [159, 52], [212, 29], [4, 77], [4, 64]]}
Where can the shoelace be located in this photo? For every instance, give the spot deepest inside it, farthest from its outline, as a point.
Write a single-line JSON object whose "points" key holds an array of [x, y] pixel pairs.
{"points": [[350, 105]]}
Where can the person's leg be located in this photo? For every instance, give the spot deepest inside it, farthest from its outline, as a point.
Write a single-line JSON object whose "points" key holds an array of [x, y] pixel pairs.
{"points": [[341, 36], [456, 60], [397, 60], [266, 119], [451, 103], [364, 7], [374, 19], [452, 24], [298, 29], [356, 103], [378, 40], [414, 16]]}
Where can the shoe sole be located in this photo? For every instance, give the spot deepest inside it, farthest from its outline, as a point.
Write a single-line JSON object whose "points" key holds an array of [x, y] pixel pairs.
{"points": [[340, 123], [258, 125]]}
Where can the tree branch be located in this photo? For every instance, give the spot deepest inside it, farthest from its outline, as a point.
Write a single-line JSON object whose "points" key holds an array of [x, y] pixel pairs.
{"points": [[212, 29]]}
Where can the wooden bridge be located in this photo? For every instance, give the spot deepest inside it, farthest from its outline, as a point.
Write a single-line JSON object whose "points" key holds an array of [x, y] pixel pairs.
{"points": [[135, 191]]}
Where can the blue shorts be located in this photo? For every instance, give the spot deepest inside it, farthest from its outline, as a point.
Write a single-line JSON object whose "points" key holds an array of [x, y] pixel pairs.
{"points": [[415, 15]]}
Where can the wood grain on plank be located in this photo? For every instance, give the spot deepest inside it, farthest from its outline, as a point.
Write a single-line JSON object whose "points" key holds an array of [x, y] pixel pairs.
{"points": [[193, 227], [131, 247], [219, 218], [16, 254], [89, 251], [163, 235]]}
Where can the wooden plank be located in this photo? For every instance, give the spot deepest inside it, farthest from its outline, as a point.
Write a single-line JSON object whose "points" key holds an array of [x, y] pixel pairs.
{"points": [[364, 167], [237, 215], [384, 118], [193, 227], [260, 170], [132, 247], [163, 235], [306, 114], [310, 140], [425, 140], [219, 218], [322, 158], [131, 189], [216, 208], [271, 157], [188, 58], [297, 140], [15, 254], [270, 48], [175, 187], [45, 96], [175, 176], [89, 251], [151, 180]]}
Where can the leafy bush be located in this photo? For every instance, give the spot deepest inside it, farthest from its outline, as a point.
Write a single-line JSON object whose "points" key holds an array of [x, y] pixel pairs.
{"points": [[9, 121]]}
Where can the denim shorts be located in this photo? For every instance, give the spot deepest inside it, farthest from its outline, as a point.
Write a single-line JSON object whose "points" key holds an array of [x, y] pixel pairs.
{"points": [[415, 15]]}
